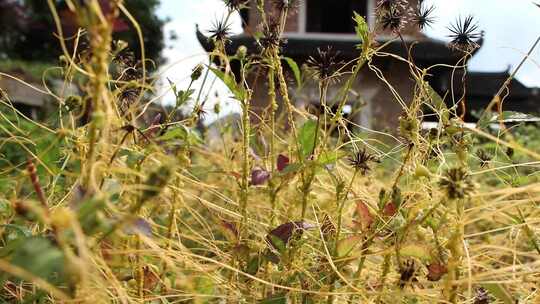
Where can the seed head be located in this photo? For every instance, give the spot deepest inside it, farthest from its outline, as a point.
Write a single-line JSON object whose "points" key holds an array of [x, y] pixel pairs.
{"points": [[394, 18], [464, 33], [485, 157], [235, 5], [271, 34], [220, 31], [457, 183], [361, 159], [423, 16], [325, 63]]}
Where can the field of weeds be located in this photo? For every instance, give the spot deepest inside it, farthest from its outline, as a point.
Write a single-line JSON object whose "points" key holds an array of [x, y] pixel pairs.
{"points": [[106, 203]]}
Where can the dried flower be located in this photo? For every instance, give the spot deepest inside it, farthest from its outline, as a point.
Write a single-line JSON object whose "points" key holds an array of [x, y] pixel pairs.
{"points": [[482, 296], [389, 4], [235, 5], [407, 273], [423, 16], [361, 159], [220, 31], [485, 158], [271, 34], [464, 33], [457, 183], [325, 64], [393, 19]]}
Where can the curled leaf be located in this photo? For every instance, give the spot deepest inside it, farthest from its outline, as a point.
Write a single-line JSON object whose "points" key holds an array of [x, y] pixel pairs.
{"points": [[390, 209], [259, 176], [281, 235], [436, 271], [365, 217]]}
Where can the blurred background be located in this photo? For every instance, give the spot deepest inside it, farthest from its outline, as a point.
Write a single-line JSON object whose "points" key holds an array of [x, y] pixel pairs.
{"points": [[27, 46]]}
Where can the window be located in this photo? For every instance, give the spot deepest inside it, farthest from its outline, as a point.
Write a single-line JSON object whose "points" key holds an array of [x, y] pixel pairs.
{"points": [[333, 16]]}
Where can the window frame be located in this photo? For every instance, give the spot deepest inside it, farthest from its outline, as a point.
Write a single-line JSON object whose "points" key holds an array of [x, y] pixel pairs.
{"points": [[302, 23]]}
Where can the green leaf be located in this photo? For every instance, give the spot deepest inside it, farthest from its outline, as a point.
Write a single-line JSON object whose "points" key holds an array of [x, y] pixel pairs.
{"points": [[296, 71], [499, 292], [361, 28], [345, 246], [238, 92], [415, 251], [38, 256], [179, 132], [291, 168], [275, 299], [306, 137]]}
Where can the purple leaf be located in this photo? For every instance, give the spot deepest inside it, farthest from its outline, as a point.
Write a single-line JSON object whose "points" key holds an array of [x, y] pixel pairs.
{"points": [[139, 225], [284, 232], [282, 162], [259, 176]]}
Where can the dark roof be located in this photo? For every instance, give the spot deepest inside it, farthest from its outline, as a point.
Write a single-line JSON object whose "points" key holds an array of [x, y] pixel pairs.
{"points": [[426, 50], [487, 84]]}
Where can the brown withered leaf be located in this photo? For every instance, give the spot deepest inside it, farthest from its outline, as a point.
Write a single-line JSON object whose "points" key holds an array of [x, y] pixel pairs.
{"points": [[390, 209], [436, 271], [365, 218], [284, 232]]}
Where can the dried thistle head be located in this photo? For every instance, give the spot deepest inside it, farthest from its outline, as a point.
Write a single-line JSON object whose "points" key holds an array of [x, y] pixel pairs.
{"points": [[464, 33], [423, 16], [485, 157], [325, 64], [388, 4], [220, 31], [271, 34], [236, 5], [392, 14], [457, 183], [360, 161]]}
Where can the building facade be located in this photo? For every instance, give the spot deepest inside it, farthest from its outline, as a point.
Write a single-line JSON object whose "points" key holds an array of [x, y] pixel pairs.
{"points": [[321, 23]]}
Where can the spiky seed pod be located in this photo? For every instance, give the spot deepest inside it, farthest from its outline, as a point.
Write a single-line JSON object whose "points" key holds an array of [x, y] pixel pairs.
{"points": [[388, 4], [235, 5], [464, 34], [360, 161], [482, 296], [394, 19], [407, 272], [271, 36], [423, 16], [485, 158], [457, 183], [220, 31], [325, 64]]}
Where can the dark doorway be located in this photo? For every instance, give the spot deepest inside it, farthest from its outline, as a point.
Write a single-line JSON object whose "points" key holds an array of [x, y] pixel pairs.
{"points": [[333, 16]]}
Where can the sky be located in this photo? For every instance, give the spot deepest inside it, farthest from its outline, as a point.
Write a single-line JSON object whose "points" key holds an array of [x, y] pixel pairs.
{"points": [[511, 28]]}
